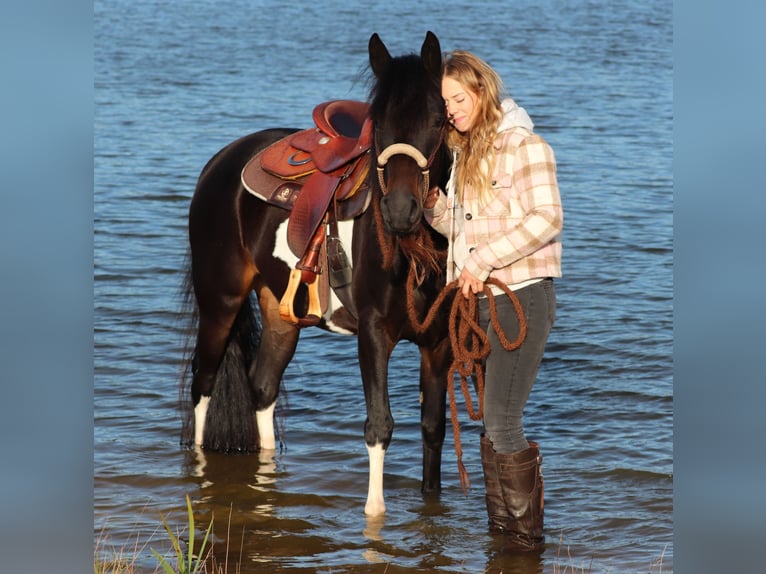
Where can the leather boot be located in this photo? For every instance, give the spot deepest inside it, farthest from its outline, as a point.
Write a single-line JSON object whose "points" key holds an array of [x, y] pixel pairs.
{"points": [[521, 483], [499, 519]]}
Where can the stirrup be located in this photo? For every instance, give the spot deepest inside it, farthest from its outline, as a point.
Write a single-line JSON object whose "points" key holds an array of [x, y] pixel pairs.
{"points": [[286, 304]]}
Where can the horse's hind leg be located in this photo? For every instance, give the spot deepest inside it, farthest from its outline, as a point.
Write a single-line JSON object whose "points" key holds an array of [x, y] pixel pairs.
{"points": [[278, 342], [214, 327], [225, 344]]}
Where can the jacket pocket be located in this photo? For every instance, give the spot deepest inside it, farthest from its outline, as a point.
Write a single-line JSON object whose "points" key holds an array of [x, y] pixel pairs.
{"points": [[504, 201]]}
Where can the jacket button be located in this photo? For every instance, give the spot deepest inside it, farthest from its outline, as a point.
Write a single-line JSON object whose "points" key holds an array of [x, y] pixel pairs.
{"points": [[468, 216]]}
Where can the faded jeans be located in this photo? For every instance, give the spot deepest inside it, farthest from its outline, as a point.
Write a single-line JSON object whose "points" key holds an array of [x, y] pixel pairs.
{"points": [[510, 375]]}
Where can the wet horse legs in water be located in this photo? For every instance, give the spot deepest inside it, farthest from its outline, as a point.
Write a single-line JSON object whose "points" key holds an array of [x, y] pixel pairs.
{"points": [[259, 392], [279, 340]]}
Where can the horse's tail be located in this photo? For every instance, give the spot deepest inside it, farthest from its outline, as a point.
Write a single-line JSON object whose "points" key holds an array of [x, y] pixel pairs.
{"points": [[230, 425], [230, 422], [190, 316]]}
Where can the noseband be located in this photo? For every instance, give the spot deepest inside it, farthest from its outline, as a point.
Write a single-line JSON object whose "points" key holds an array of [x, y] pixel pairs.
{"points": [[411, 152]]}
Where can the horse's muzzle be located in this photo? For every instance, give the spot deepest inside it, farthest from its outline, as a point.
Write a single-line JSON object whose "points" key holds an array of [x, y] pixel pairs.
{"points": [[401, 214]]}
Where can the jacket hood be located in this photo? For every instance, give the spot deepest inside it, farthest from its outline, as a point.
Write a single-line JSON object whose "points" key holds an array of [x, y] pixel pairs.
{"points": [[514, 116]]}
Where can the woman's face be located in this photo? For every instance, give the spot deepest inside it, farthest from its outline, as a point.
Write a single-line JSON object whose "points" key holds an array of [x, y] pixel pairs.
{"points": [[460, 103]]}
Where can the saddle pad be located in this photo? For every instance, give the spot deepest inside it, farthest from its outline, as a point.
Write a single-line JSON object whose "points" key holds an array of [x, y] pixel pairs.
{"points": [[267, 187]]}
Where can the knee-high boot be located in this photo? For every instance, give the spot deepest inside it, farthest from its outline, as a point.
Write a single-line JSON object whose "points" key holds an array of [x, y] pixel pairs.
{"points": [[499, 520], [521, 482]]}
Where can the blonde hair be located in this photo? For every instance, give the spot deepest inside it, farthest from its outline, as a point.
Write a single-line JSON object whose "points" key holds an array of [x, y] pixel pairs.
{"points": [[476, 156]]}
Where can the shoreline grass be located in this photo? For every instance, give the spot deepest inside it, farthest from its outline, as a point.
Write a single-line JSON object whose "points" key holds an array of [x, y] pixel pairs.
{"points": [[187, 562]]}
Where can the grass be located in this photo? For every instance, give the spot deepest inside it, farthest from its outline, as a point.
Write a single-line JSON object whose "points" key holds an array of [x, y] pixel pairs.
{"points": [[186, 562], [185, 556], [108, 559]]}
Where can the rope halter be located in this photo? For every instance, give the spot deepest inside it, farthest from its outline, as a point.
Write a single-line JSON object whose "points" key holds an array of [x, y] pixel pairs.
{"points": [[410, 151], [413, 153]]}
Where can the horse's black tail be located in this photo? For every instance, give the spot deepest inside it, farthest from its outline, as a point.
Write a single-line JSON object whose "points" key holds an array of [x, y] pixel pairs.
{"points": [[190, 315], [230, 424]]}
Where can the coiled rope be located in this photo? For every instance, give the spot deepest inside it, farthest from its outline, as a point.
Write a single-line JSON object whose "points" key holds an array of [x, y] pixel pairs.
{"points": [[470, 346]]}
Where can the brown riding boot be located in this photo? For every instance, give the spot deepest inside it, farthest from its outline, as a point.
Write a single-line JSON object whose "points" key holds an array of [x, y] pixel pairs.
{"points": [[498, 515], [521, 482]]}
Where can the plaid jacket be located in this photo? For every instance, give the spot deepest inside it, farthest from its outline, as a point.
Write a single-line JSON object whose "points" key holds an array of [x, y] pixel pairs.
{"points": [[517, 236]]}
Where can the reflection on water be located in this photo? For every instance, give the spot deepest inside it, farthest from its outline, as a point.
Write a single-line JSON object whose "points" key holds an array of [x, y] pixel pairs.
{"points": [[264, 518]]}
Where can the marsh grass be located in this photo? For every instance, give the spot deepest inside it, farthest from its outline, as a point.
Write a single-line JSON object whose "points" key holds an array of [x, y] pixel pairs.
{"points": [[186, 555], [569, 568], [187, 562], [110, 559]]}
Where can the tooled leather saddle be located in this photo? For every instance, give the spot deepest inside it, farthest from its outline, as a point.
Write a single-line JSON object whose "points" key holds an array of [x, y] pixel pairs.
{"points": [[320, 175]]}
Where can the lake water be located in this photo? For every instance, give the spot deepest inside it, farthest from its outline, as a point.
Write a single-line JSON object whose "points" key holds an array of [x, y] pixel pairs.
{"points": [[176, 81]]}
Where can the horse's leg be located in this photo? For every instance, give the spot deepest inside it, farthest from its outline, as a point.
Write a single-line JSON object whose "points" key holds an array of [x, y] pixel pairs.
{"points": [[277, 347], [226, 337], [215, 323], [375, 348], [434, 364]]}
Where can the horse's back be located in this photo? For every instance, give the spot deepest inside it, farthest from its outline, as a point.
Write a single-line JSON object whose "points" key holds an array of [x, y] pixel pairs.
{"points": [[219, 191]]}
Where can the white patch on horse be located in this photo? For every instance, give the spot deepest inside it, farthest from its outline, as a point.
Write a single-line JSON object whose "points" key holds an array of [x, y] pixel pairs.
{"points": [[283, 253], [336, 329], [281, 248], [265, 421], [200, 413], [375, 505]]}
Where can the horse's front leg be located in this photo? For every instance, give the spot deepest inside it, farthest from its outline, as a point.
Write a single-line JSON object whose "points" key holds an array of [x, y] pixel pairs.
{"points": [[434, 365], [375, 348]]}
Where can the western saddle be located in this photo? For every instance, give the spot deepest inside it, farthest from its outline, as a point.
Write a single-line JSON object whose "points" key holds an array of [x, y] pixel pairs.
{"points": [[320, 176]]}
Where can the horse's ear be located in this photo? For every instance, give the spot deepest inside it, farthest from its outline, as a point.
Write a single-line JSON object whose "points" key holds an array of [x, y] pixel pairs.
{"points": [[431, 54], [379, 55]]}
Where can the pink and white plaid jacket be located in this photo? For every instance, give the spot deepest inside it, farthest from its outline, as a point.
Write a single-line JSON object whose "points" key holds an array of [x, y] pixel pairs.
{"points": [[517, 236]]}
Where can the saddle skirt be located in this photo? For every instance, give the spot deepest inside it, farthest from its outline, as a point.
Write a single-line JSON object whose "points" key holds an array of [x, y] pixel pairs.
{"points": [[305, 171]]}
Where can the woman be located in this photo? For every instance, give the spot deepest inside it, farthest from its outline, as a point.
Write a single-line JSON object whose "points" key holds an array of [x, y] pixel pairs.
{"points": [[503, 217]]}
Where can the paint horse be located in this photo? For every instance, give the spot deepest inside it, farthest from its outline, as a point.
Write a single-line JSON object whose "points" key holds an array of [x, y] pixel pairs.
{"points": [[239, 245]]}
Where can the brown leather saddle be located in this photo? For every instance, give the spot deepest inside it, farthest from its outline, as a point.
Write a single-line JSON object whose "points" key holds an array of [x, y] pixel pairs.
{"points": [[320, 175]]}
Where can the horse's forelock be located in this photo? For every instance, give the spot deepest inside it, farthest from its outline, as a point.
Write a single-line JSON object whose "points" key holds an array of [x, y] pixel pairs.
{"points": [[400, 85]]}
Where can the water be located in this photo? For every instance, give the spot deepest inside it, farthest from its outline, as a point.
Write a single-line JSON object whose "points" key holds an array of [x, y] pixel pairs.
{"points": [[177, 81]]}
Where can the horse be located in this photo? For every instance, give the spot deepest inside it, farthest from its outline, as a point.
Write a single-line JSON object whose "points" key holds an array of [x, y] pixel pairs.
{"points": [[239, 270]]}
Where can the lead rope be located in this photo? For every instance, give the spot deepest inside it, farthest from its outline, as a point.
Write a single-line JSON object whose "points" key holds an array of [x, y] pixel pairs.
{"points": [[470, 346]]}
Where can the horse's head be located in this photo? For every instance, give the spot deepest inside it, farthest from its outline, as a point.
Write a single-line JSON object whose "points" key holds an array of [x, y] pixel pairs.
{"points": [[408, 116]]}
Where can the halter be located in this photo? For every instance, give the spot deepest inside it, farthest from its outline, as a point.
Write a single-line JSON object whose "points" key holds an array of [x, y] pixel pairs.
{"points": [[411, 152]]}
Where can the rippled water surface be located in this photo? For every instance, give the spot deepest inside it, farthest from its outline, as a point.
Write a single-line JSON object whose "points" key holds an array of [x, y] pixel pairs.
{"points": [[176, 81]]}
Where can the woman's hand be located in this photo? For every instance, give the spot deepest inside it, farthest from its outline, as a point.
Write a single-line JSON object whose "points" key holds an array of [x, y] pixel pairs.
{"points": [[431, 197], [467, 283]]}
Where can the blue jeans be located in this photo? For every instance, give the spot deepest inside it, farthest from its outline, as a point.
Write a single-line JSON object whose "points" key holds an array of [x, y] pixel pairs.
{"points": [[510, 375]]}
